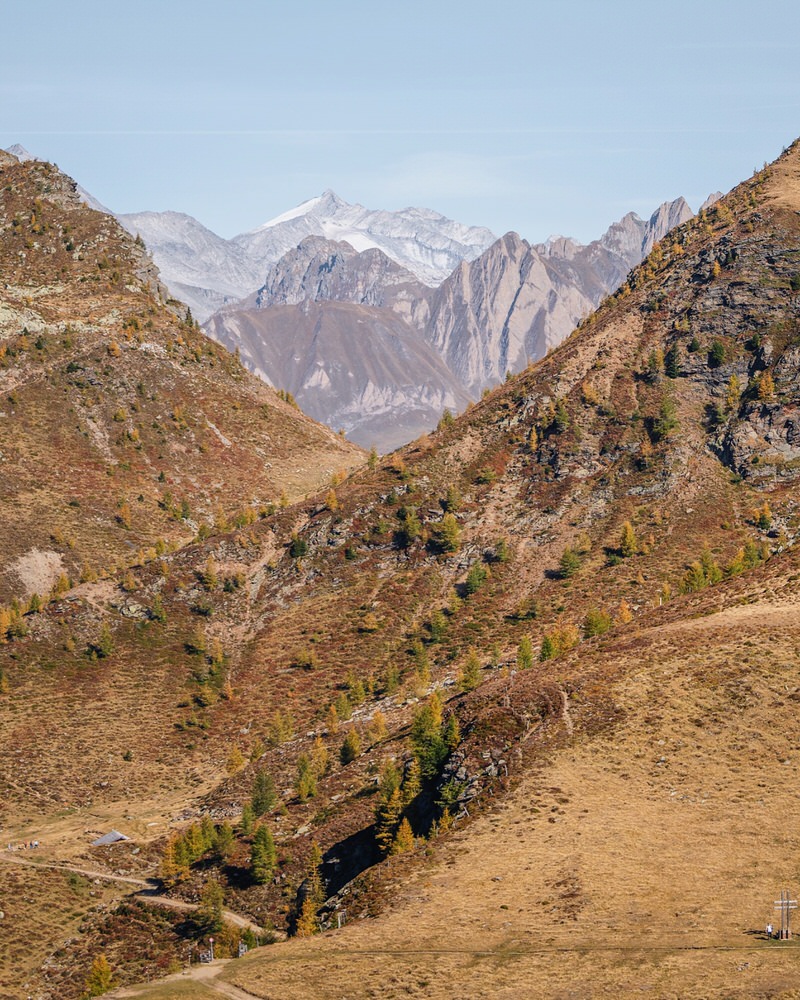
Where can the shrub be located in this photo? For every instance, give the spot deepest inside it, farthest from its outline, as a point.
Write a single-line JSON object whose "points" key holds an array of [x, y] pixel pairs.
{"points": [[298, 547]]}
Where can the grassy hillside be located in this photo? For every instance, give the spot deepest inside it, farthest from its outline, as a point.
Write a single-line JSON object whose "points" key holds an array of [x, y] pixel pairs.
{"points": [[121, 425], [579, 595]]}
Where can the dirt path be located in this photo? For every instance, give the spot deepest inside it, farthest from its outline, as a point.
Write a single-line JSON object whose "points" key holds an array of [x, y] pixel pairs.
{"points": [[143, 883], [156, 899], [152, 895], [208, 975]]}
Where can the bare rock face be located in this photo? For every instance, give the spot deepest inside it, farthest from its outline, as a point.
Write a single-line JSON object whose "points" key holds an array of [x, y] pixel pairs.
{"points": [[425, 242], [209, 272], [202, 269], [359, 368], [320, 270], [491, 315]]}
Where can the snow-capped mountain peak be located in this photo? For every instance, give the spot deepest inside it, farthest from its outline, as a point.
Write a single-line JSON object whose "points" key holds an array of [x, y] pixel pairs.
{"points": [[425, 242]]}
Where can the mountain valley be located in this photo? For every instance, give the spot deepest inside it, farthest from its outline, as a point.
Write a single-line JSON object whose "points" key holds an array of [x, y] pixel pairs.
{"points": [[516, 703]]}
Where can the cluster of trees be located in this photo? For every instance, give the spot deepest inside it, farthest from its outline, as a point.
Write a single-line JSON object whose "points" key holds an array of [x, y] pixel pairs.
{"points": [[197, 840], [706, 571], [393, 831]]}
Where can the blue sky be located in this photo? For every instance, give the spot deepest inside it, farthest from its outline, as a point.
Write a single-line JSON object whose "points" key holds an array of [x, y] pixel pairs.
{"points": [[537, 117]]}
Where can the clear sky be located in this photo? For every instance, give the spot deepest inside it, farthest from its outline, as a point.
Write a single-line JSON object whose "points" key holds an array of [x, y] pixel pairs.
{"points": [[544, 118]]}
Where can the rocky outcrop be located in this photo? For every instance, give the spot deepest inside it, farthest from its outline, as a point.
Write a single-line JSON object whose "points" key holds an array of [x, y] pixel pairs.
{"points": [[321, 270], [359, 368]]}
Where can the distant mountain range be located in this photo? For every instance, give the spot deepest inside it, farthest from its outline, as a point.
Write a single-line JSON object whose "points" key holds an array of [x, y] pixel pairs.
{"points": [[377, 321], [207, 271], [491, 315]]}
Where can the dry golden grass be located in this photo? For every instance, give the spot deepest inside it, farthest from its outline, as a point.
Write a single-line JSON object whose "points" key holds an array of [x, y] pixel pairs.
{"points": [[42, 909], [644, 862]]}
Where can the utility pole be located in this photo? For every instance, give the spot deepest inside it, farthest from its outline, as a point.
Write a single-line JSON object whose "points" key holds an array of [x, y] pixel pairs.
{"points": [[785, 904]]}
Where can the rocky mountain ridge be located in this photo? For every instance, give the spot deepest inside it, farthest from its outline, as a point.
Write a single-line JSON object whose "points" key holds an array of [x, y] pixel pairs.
{"points": [[209, 272], [492, 315], [119, 419]]}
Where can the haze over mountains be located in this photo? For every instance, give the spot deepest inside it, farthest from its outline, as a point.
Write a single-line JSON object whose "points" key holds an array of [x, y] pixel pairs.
{"points": [[209, 271]]}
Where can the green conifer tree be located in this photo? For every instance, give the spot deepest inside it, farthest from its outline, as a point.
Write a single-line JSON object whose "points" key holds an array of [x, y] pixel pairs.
{"points": [[263, 856]]}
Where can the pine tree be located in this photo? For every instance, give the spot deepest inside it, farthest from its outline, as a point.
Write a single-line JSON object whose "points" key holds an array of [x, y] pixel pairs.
{"points": [[100, 979], [306, 782], [548, 650], [412, 782], [235, 761], [404, 838], [624, 613], [332, 720], [525, 653], [263, 797], [596, 623], [208, 833], [446, 535], [320, 758], [733, 394], [452, 732], [387, 819], [194, 841], [224, 841], [263, 856], [173, 865], [672, 362], [438, 626], [471, 672], [105, 644], [247, 821], [351, 747], [476, 578], [628, 544], [569, 564], [209, 912], [307, 921], [157, 612], [377, 729], [766, 387]]}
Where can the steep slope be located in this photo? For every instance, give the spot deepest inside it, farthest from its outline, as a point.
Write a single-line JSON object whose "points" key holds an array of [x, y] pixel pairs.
{"points": [[208, 272], [202, 269], [517, 301], [492, 315], [598, 556], [358, 368], [121, 424]]}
